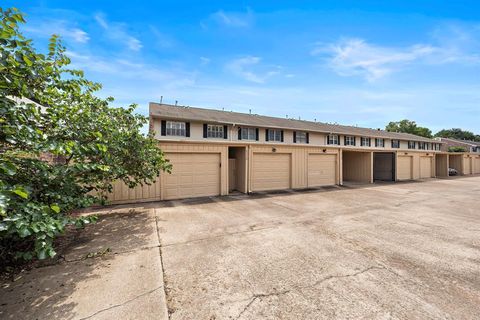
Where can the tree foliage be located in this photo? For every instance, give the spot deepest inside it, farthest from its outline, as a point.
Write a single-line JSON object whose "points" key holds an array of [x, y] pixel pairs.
{"points": [[457, 133], [408, 126], [46, 108], [457, 149]]}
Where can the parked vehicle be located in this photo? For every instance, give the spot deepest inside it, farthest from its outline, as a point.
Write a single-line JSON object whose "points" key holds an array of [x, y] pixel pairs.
{"points": [[452, 172]]}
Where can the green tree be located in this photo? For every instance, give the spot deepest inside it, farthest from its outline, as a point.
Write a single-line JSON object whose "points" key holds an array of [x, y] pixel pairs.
{"points": [[48, 109], [408, 126], [457, 133]]}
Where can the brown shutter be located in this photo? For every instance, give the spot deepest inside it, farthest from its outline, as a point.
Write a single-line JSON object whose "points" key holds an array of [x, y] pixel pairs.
{"points": [[205, 129], [266, 135], [225, 132], [256, 134], [163, 130], [281, 133], [187, 129], [294, 136], [308, 137], [239, 133]]}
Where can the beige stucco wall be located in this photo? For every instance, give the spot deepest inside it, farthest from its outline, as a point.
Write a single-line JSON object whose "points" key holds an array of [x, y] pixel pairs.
{"points": [[316, 139]]}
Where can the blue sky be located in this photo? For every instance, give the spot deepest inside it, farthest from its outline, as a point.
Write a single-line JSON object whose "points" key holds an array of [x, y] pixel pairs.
{"points": [[359, 63]]}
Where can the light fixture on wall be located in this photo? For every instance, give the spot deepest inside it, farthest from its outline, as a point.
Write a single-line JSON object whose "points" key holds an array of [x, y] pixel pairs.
{"points": [[274, 149], [324, 150]]}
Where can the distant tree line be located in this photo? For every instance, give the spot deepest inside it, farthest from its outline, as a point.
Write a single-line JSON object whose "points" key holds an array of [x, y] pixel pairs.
{"points": [[408, 126]]}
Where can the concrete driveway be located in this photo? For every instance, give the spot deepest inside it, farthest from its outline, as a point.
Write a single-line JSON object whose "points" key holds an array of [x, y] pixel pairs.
{"points": [[385, 251]]}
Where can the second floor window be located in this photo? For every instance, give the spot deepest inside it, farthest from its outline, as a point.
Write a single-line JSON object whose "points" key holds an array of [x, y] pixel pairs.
{"points": [[396, 144], [215, 131], [365, 142], [332, 139], [176, 128], [300, 137], [411, 144], [349, 140], [274, 135], [422, 146], [248, 134], [379, 142]]}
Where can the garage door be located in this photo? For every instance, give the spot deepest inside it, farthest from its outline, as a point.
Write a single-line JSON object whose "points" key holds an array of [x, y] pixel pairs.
{"points": [[467, 166], [425, 167], [270, 171], [321, 170], [193, 175], [121, 193], [477, 165], [404, 168]]}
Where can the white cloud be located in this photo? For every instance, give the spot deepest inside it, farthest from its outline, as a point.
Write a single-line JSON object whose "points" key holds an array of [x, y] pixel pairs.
{"points": [[61, 28], [204, 61], [232, 19], [243, 67], [357, 57], [117, 31]]}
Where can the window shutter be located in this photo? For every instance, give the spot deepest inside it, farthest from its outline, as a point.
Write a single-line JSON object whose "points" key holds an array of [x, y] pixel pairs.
{"points": [[281, 134], [344, 140], [328, 140], [294, 136], [187, 129], [163, 130], [369, 142], [239, 133], [256, 134], [266, 134], [308, 137], [205, 129], [225, 132], [354, 141]]}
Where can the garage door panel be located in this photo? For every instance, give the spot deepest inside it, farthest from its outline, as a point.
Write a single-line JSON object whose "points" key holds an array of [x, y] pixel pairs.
{"points": [[270, 171], [321, 170], [425, 167], [477, 165], [467, 167], [404, 168], [193, 175]]}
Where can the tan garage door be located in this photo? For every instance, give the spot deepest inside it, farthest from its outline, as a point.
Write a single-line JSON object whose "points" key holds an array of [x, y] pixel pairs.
{"points": [[404, 168], [270, 171], [425, 167], [322, 169], [467, 165], [477, 165], [193, 175]]}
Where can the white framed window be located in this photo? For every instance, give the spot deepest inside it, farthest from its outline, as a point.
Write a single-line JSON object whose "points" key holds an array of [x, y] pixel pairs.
{"points": [[437, 147], [215, 131], [411, 144], [248, 133], [349, 140], [379, 142], [274, 135], [176, 128], [332, 139], [300, 137], [396, 144], [422, 146], [365, 142]]}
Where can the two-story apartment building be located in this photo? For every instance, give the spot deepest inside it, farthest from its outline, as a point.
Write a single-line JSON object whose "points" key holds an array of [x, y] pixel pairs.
{"points": [[216, 152], [464, 155]]}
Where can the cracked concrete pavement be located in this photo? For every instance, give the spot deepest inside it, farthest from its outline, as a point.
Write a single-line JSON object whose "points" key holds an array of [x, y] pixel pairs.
{"points": [[399, 251], [396, 251]]}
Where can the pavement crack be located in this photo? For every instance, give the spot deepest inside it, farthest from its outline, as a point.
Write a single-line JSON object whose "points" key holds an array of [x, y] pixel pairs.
{"points": [[122, 304], [327, 278], [260, 296], [164, 282]]}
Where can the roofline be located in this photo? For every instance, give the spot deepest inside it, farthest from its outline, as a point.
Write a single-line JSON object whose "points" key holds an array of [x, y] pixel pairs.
{"points": [[409, 137]]}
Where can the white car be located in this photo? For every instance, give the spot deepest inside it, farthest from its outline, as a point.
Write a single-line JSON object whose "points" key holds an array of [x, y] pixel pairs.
{"points": [[452, 172]]}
